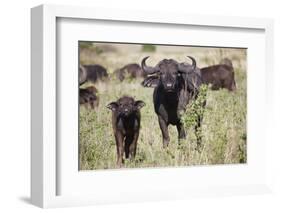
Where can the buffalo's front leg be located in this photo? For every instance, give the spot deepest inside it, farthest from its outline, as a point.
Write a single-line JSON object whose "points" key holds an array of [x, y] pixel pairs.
{"points": [[133, 145], [164, 129], [181, 131], [120, 148], [128, 142]]}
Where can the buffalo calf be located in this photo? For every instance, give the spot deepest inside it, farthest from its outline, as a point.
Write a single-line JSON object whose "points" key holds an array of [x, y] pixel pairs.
{"points": [[126, 120]]}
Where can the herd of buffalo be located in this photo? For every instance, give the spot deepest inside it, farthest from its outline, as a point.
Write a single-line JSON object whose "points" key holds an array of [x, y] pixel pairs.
{"points": [[175, 85]]}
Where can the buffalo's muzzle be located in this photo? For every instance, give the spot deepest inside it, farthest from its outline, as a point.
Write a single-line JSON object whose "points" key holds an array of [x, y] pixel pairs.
{"points": [[169, 87], [126, 112]]}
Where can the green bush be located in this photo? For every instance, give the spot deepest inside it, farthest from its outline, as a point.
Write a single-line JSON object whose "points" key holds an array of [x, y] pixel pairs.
{"points": [[148, 48], [195, 108]]}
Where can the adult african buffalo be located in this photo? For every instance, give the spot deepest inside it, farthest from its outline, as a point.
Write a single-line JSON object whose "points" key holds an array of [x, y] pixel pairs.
{"points": [[175, 85], [126, 120], [131, 71], [96, 73], [87, 96], [220, 75]]}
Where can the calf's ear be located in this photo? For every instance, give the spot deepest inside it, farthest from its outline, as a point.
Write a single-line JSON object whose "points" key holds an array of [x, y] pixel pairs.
{"points": [[112, 106], [139, 104]]}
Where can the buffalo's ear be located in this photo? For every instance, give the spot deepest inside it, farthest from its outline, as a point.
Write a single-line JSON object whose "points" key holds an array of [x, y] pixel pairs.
{"points": [[112, 106], [139, 104], [150, 81]]}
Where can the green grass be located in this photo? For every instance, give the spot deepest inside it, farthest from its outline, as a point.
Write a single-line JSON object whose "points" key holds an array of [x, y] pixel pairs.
{"points": [[223, 130]]}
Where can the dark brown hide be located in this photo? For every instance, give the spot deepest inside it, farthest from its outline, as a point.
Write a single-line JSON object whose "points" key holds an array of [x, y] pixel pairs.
{"points": [[219, 76], [96, 73]]}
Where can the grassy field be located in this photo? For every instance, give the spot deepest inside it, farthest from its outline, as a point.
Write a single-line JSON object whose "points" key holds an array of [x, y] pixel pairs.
{"points": [[224, 122]]}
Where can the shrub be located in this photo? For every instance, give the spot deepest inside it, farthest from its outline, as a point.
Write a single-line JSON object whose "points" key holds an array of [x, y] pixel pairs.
{"points": [[148, 48]]}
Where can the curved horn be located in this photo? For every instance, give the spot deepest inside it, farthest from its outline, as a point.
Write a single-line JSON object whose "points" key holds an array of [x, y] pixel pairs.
{"points": [[193, 62], [185, 67], [82, 74], [147, 69]]}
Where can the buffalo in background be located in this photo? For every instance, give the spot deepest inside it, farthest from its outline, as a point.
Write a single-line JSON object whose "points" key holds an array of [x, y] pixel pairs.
{"points": [[95, 73], [176, 84], [131, 71], [87, 96], [82, 75], [220, 75]]}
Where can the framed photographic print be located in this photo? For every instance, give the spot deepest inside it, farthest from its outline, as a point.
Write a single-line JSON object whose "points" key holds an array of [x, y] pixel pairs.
{"points": [[129, 106]]}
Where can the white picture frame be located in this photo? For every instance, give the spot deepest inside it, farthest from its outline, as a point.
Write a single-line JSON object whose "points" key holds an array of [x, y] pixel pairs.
{"points": [[44, 149]]}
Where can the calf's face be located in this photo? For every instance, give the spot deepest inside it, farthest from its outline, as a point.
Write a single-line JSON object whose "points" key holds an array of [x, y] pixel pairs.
{"points": [[126, 106]]}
